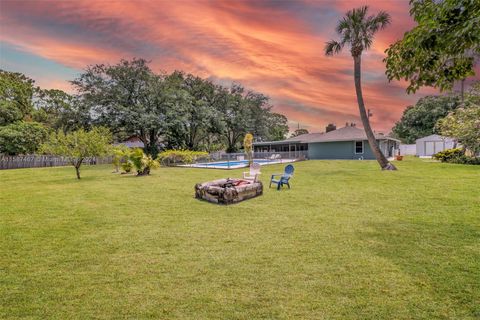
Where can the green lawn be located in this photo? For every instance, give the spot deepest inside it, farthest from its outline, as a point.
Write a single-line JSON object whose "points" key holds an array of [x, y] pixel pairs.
{"points": [[346, 242]]}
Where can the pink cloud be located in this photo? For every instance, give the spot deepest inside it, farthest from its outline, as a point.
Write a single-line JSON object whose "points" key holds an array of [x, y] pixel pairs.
{"points": [[275, 48]]}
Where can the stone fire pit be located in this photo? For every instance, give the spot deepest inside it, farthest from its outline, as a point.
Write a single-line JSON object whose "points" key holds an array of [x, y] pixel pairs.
{"points": [[228, 191]]}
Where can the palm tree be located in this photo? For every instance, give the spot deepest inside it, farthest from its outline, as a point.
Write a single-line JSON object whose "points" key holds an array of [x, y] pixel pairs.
{"points": [[357, 29]]}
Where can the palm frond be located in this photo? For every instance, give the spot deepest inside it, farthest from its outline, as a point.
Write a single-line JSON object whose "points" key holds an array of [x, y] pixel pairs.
{"points": [[383, 19], [357, 29], [343, 25], [333, 47]]}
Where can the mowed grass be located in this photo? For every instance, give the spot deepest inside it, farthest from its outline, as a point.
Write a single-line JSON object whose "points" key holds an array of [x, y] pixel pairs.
{"points": [[348, 241]]}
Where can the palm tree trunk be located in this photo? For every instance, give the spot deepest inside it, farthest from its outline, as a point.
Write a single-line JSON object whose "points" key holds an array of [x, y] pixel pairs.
{"points": [[382, 160]]}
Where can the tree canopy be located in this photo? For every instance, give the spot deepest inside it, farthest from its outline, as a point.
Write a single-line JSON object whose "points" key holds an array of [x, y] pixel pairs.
{"points": [[16, 97], [463, 124], [78, 145], [21, 137], [441, 49], [176, 110], [419, 120], [165, 110]]}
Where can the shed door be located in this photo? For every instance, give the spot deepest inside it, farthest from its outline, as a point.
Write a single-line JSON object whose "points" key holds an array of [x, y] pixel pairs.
{"points": [[429, 148], [438, 146]]}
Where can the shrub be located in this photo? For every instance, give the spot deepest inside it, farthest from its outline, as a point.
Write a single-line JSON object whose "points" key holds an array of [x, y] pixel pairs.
{"points": [[456, 156], [465, 160], [121, 155], [174, 157], [142, 162], [448, 155], [127, 166]]}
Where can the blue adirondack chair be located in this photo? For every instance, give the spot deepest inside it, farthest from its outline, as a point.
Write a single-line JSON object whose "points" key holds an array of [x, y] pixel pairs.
{"points": [[284, 177]]}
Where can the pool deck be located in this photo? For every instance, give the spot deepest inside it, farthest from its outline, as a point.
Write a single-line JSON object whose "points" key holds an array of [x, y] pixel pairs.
{"points": [[211, 165]]}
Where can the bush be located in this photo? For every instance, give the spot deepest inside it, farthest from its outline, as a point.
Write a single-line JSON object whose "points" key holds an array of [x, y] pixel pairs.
{"points": [[456, 156], [465, 160], [142, 162], [448, 155], [174, 157], [121, 156], [127, 166], [21, 137]]}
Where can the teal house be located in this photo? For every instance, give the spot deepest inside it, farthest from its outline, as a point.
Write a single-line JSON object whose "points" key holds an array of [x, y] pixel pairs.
{"points": [[347, 143]]}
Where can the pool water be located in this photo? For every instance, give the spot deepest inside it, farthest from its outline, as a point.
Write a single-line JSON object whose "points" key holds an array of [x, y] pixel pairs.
{"points": [[231, 163]]}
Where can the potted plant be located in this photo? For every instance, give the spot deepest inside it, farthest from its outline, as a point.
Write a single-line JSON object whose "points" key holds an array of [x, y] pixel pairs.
{"points": [[398, 157]]}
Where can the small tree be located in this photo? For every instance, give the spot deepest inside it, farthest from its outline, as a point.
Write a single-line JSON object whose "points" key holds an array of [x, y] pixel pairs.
{"points": [[464, 125], [78, 145], [248, 147]]}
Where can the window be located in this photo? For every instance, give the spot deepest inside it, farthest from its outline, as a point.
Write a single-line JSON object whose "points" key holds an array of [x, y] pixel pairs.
{"points": [[358, 147]]}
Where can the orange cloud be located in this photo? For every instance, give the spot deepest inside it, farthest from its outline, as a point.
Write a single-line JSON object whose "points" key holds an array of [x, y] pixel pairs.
{"points": [[272, 47]]}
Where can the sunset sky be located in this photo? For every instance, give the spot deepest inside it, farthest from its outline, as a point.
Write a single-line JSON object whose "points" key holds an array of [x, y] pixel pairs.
{"points": [[274, 47]]}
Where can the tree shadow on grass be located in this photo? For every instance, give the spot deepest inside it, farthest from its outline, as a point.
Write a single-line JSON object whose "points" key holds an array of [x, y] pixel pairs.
{"points": [[441, 258]]}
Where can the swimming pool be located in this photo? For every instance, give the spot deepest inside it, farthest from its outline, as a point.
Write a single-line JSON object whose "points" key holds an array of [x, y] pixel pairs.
{"points": [[233, 163]]}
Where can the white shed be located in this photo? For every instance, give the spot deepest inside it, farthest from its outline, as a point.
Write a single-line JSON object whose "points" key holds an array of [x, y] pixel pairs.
{"points": [[428, 146]]}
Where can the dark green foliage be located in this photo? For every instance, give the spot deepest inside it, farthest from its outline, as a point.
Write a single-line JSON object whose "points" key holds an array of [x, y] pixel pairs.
{"points": [[179, 110], [21, 137], [419, 120], [441, 49], [16, 95], [8, 113], [61, 111], [128, 97], [195, 118], [456, 156], [277, 125]]}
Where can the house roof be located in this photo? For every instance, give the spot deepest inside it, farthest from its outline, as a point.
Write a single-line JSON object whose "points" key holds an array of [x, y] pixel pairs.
{"points": [[342, 134], [435, 137]]}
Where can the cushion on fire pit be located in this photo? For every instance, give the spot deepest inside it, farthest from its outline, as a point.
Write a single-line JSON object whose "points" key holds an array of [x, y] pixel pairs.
{"points": [[227, 191]]}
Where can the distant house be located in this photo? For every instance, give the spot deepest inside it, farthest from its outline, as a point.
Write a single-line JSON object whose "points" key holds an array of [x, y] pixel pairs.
{"points": [[428, 146], [348, 142], [132, 142]]}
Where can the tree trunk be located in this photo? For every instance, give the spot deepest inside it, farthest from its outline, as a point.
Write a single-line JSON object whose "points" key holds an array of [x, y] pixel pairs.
{"points": [[77, 166], [372, 141], [151, 145]]}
